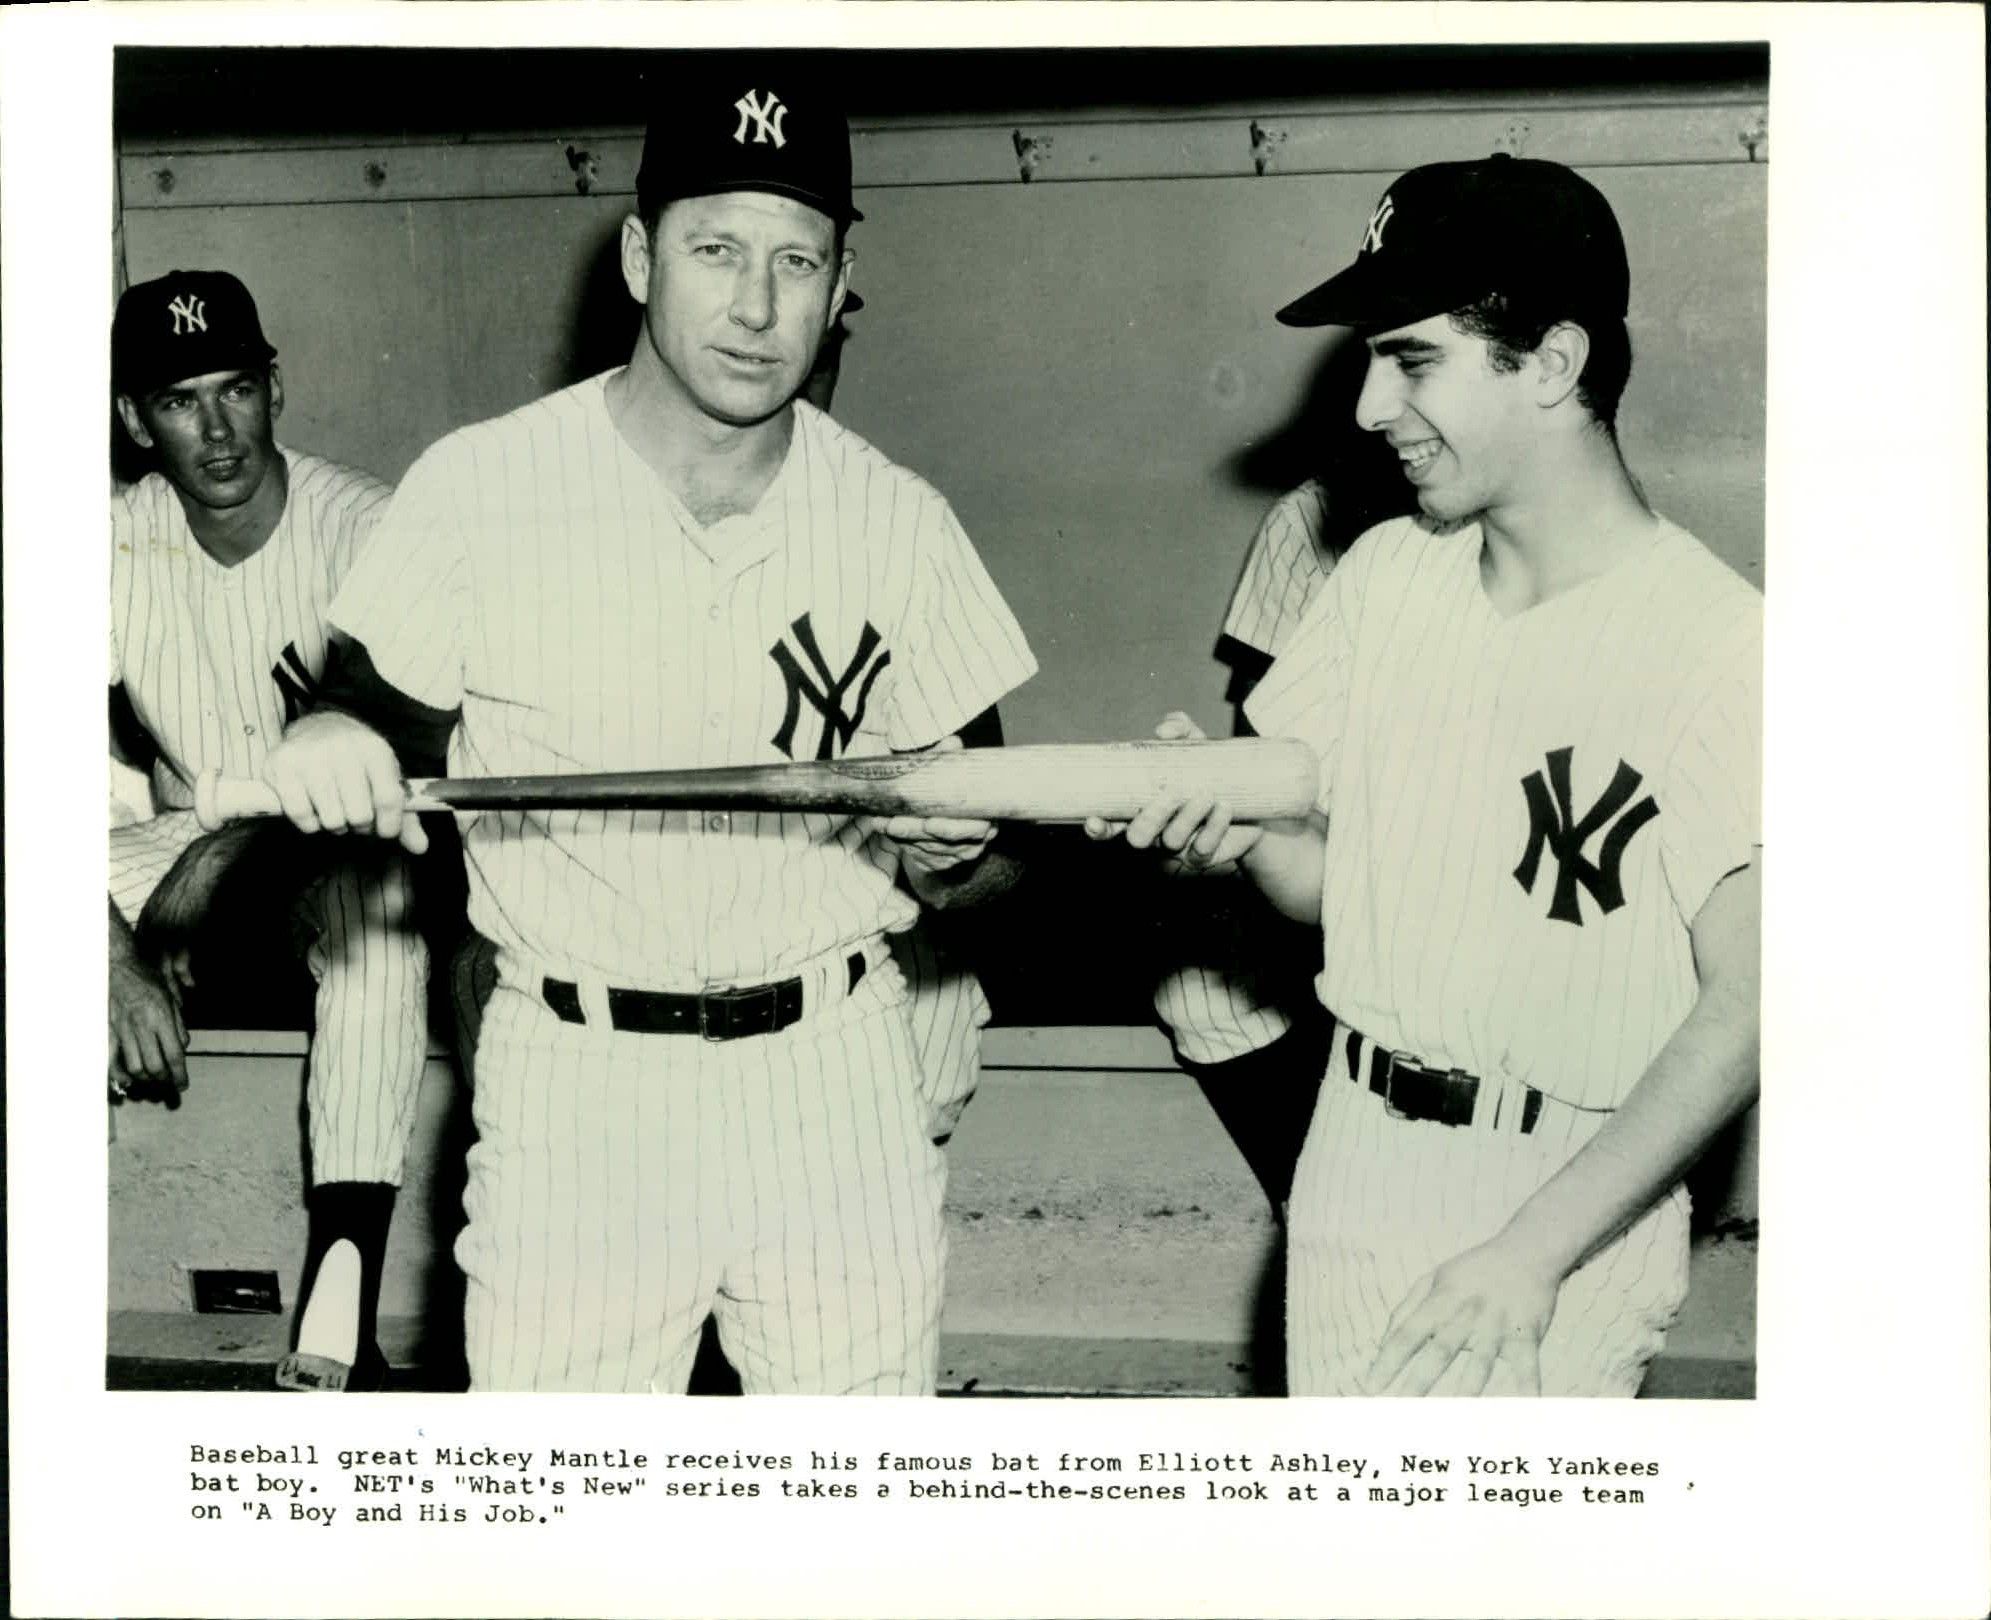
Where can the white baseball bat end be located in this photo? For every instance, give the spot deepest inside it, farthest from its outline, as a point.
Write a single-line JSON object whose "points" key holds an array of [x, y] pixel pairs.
{"points": [[218, 802]]}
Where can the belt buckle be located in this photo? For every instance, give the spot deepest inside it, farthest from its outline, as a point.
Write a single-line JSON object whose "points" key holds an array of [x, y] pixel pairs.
{"points": [[1448, 1079], [741, 1011], [1388, 1062], [720, 1029]]}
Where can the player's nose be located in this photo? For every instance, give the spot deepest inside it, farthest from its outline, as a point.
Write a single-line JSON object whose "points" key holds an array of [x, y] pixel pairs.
{"points": [[1377, 405], [213, 421], [753, 297]]}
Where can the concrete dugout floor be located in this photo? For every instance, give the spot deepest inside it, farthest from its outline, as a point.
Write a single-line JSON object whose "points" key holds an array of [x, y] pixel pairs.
{"points": [[1106, 1239]]}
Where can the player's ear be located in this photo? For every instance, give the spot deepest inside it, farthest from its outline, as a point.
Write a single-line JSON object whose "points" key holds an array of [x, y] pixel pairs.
{"points": [[134, 424], [276, 392], [1559, 362], [841, 290], [636, 258]]}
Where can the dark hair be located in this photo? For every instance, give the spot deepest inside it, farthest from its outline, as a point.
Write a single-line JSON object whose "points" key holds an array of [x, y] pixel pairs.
{"points": [[1513, 331]]}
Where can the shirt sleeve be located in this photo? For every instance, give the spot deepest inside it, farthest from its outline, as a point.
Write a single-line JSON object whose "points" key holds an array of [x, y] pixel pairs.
{"points": [[1305, 693], [1713, 781], [962, 648], [406, 598], [121, 532], [1282, 571], [357, 520], [1218, 1011]]}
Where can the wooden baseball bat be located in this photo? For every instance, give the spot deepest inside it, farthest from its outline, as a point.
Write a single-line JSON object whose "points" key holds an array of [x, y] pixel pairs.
{"points": [[1260, 778]]}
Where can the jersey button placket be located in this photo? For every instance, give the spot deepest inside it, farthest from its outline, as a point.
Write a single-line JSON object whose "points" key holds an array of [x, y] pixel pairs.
{"points": [[719, 681]]}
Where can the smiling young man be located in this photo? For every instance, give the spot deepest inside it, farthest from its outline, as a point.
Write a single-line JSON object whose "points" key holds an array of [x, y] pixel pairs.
{"points": [[1536, 851], [224, 559], [696, 1091]]}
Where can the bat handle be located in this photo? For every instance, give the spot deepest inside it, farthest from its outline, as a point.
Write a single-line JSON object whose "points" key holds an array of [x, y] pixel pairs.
{"points": [[220, 799]]}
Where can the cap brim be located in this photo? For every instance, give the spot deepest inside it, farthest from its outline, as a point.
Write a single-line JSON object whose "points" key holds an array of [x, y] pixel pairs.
{"points": [[1359, 296], [816, 200], [139, 381]]}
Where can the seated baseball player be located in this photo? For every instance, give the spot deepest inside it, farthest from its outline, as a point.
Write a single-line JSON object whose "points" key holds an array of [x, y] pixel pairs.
{"points": [[1536, 851], [696, 1092], [224, 558]]}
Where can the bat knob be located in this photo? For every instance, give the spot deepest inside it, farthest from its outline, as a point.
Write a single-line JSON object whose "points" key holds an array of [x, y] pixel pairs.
{"points": [[219, 800]]}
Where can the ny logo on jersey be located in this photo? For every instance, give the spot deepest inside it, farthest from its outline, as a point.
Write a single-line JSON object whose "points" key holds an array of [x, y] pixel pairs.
{"points": [[1372, 238], [839, 724], [1554, 826], [189, 314], [766, 115], [295, 683]]}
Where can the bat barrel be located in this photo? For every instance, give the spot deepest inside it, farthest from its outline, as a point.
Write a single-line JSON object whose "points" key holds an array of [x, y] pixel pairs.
{"points": [[1259, 778]]}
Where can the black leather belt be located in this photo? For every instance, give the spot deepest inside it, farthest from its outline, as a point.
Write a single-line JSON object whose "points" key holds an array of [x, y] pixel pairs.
{"points": [[718, 1015], [1441, 1096]]}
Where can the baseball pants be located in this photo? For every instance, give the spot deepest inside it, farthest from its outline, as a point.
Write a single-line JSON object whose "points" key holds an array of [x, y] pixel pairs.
{"points": [[624, 1187], [948, 1010], [369, 963], [1379, 1201]]}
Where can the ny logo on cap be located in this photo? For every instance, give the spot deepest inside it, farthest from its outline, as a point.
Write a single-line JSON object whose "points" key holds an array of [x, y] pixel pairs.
{"points": [[1372, 239], [766, 115], [189, 314]]}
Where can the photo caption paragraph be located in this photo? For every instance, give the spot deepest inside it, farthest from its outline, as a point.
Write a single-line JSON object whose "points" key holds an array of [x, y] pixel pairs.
{"points": [[431, 1483]]}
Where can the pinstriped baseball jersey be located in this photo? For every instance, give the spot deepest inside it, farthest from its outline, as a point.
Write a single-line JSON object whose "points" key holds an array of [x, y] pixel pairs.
{"points": [[218, 660], [535, 572], [1526, 812], [549, 585], [215, 662], [1288, 559], [1225, 1003]]}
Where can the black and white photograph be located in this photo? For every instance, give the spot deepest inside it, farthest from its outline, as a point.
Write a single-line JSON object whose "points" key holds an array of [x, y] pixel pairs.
{"points": [[1075, 452], [1072, 727]]}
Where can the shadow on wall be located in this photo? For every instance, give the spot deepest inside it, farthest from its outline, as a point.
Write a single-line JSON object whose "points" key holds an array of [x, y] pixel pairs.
{"points": [[1323, 441], [605, 316]]}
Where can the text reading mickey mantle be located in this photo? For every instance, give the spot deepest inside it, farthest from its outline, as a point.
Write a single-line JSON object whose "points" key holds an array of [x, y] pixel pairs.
{"points": [[458, 1484]]}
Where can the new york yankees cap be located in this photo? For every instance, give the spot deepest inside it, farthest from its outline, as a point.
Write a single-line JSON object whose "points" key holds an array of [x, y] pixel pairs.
{"points": [[731, 126], [186, 323], [1448, 234]]}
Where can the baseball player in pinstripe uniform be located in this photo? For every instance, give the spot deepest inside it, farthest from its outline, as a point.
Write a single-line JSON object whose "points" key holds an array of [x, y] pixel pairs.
{"points": [[1537, 705], [223, 563], [695, 1092], [944, 999]]}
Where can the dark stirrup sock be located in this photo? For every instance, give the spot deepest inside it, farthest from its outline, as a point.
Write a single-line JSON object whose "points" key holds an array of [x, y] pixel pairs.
{"points": [[340, 1294]]}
